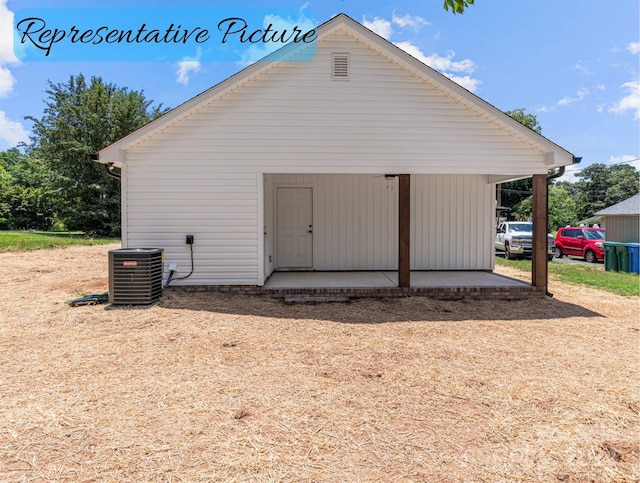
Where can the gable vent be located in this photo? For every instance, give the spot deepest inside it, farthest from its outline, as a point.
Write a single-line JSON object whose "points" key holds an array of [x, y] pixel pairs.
{"points": [[341, 66]]}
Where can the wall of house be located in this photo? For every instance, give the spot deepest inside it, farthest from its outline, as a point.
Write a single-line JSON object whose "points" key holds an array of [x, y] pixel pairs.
{"points": [[218, 207], [623, 229], [355, 221], [203, 174], [453, 222]]}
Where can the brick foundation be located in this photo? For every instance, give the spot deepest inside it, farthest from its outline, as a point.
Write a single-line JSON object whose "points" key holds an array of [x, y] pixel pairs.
{"points": [[439, 293]]}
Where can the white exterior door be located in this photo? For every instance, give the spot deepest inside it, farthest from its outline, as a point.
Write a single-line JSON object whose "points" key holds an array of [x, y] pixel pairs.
{"points": [[295, 228]]}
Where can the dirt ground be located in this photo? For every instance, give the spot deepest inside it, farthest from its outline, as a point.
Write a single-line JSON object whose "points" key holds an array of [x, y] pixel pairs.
{"points": [[205, 387]]}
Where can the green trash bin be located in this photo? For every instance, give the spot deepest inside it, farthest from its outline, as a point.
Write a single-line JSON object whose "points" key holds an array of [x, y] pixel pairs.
{"points": [[610, 257], [623, 257]]}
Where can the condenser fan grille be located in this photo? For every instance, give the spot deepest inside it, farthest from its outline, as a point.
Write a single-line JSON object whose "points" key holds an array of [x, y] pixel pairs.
{"points": [[135, 276]]}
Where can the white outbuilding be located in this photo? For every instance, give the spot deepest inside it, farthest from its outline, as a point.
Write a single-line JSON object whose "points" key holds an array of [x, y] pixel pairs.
{"points": [[363, 158]]}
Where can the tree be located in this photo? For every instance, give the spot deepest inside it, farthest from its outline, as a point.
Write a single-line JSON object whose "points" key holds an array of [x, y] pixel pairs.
{"points": [[601, 186], [28, 196], [457, 6], [80, 119], [528, 120], [5, 207], [562, 208]]}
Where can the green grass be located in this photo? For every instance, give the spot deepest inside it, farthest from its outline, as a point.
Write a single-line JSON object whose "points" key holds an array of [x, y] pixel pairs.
{"points": [[25, 240], [592, 275]]}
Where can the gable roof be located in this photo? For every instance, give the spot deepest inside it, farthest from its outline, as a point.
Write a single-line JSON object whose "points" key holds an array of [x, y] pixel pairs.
{"points": [[556, 155], [630, 206]]}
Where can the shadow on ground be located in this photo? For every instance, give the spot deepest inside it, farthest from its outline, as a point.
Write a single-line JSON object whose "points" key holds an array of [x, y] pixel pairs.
{"points": [[374, 311]]}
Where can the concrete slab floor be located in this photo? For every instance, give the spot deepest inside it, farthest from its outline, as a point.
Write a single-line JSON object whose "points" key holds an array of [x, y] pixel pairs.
{"points": [[386, 279]]}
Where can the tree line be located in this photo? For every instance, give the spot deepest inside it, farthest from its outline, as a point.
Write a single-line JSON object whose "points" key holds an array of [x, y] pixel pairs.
{"points": [[598, 186], [53, 184]]}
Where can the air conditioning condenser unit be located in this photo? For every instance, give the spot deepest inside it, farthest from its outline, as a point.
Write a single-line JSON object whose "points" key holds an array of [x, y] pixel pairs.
{"points": [[135, 275]]}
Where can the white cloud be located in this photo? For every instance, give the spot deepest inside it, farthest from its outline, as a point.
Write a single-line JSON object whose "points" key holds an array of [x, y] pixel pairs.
{"points": [[11, 132], [404, 21], [629, 159], [445, 65], [7, 81], [581, 94], [256, 52], [581, 67], [466, 81], [183, 69], [630, 102], [380, 26], [570, 173], [412, 50], [187, 66], [6, 35], [634, 48], [438, 62]]}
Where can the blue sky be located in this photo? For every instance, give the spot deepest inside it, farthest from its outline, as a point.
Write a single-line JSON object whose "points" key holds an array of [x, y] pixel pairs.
{"points": [[575, 64]]}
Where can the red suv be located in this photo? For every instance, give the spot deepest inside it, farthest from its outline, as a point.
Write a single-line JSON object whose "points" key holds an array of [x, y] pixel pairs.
{"points": [[580, 242]]}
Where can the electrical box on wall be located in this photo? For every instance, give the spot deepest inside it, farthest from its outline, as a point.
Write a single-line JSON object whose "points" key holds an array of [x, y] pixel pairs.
{"points": [[189, 239]]}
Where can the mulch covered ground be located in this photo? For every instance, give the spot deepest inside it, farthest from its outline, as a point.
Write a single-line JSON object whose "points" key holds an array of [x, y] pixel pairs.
{"points": [[206, 387]]}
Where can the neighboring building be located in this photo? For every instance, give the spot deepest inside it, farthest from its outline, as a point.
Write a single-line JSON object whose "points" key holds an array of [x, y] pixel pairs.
{"points": [[302, 166], [622, 220]]}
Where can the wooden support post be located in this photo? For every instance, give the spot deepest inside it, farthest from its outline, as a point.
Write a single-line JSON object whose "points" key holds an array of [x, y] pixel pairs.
{"points": [[404, 230], [539, 268]]}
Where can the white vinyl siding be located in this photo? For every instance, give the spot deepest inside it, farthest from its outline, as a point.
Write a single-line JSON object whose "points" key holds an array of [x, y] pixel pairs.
{"points": [[356, 221], [383, 120], [451, 223], [219, 208]]}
